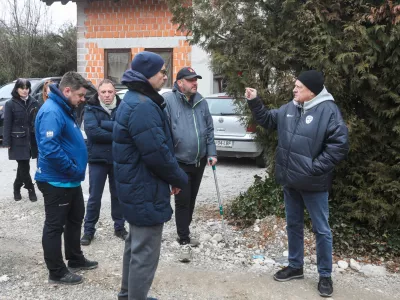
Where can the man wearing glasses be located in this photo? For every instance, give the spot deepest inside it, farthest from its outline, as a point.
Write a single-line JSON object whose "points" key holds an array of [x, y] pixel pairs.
{"points": [[193, 135], [145, 168]]}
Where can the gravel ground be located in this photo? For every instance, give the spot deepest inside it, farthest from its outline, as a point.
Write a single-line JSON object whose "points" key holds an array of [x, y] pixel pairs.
{"points": [[242, 268]]}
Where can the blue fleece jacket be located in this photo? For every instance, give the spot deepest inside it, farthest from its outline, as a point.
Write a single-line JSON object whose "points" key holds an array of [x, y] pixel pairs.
{"points": [[62, 150]]}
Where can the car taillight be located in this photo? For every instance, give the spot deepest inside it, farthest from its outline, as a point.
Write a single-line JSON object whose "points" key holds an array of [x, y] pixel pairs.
{"points": [[251, 128]]}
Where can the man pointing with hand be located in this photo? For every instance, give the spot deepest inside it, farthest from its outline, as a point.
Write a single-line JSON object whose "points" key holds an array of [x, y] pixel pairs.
{"points": [[312, 140]]}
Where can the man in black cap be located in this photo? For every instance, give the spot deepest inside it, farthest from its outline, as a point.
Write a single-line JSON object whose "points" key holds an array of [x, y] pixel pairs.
{"points": [[145, 168], [312, 140], [193, 135]]}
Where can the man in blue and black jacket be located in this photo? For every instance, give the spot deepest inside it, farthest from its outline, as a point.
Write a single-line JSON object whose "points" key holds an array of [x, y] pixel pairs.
{"points": [[99, 122], [61, 169], [145, 169], [312, 140]]}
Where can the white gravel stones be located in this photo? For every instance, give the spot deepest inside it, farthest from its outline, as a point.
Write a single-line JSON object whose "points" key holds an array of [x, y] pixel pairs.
{"points": [[217, 237], [355, 265], [373, 271], [343, 264], [205, 237]]}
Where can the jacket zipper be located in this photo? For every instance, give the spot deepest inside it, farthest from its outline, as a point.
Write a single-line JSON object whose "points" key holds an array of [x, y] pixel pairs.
{"points": [[197, 132], [291, 140], [27, 116]]}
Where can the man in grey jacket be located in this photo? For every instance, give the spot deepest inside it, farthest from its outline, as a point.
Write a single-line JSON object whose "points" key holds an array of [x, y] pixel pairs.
{"points": [[193, 136], [312, 140]]}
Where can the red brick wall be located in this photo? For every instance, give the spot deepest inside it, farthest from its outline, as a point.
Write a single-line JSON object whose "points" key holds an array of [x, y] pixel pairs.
{"points": [[129, 19]]}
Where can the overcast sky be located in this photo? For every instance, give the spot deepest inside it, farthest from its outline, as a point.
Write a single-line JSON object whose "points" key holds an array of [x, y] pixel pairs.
{"points": [[58, 14], [62, 13]]}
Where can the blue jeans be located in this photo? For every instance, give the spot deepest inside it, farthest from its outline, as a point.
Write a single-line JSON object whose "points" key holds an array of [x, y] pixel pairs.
{"points": [[318, 209], [97, 179]]}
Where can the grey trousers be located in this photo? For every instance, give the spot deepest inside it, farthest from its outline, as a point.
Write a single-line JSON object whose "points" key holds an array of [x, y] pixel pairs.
{"points": [[141, 255]]}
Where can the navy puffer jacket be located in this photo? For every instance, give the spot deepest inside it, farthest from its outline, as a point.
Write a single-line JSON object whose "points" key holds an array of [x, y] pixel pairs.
{"points": [[98, 128], [312, 139], [144, 161]]}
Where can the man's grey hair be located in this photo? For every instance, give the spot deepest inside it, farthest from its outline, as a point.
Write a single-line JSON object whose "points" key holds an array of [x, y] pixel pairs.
{"points": [[106, 81], [74, 81]]}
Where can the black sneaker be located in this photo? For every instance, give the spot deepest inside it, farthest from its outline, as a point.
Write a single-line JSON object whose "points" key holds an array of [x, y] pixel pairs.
{"points": [[122, 233], [288, 273], [87, 265], [32, 195], [68, 279], [325, 286], [86, 239], [17, 195]]}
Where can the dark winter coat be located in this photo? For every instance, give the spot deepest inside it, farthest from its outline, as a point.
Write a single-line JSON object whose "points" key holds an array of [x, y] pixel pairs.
{"points": [[312, 139], [144, 161], [19, 132], [98, 128], [62, 149], [191, 126]]}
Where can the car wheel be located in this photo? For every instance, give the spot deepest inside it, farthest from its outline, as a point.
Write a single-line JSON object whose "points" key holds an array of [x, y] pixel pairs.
{"points": [[260, 161]]}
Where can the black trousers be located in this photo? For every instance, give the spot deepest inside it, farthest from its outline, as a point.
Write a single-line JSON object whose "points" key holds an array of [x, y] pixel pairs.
{"points": [[23, 176], [64, 208], [186, 199]]}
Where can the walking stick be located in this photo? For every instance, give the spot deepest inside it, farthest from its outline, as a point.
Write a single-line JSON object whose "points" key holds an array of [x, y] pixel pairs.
{"points": [[221, 210]]}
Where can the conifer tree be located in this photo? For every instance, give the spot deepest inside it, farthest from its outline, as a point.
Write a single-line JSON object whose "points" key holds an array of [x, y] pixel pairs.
{"points": [[266, 43]]}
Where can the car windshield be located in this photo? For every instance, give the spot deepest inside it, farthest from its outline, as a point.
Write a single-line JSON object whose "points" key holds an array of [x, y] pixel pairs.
{"points": [[222, 107], [5, 91]]}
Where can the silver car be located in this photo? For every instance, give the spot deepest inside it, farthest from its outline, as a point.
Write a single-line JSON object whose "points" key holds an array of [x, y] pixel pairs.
{"points": [[232, 138]]}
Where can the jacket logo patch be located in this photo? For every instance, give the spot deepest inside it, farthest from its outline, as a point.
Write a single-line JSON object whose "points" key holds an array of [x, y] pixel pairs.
{"points": [[309, 119], [289, 116], [49, 134]]}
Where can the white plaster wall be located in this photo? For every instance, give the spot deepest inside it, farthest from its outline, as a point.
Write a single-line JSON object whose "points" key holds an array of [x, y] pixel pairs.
{"points": [[201, 64]]}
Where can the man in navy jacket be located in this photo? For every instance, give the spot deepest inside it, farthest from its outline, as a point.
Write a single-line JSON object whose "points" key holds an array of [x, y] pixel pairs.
{"points": [[61, 169], [145, 169], [312, 140], [99, 121]]}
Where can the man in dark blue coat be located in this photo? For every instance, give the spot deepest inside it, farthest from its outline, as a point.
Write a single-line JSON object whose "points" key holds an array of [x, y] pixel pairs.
{"points": [[61, 169], [99, 121], [312, 139], [146, 171]]}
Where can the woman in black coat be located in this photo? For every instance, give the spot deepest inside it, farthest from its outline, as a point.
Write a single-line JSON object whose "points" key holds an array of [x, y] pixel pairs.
{"points": [[19, 135]]}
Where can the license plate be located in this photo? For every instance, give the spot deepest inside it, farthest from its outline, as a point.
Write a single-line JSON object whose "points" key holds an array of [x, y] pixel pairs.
{"points": [[223, 143]]}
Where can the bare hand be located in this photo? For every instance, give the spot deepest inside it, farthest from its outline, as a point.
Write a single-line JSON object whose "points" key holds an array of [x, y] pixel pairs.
{"points": [[175, 191], [250, 93], [212, 161]]}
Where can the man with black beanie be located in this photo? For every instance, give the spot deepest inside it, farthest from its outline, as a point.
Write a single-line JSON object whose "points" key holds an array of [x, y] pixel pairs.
{"points": [[312, 140], [145, 168]]}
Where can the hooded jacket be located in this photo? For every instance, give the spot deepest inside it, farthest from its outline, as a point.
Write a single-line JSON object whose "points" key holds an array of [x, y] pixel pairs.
{"points": [[98, 126], [312, 139], [62, 149], [191, 125], [144, 160]]}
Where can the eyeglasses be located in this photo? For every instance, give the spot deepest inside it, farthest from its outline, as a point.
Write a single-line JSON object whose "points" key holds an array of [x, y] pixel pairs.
{"points": [[164, 72]]}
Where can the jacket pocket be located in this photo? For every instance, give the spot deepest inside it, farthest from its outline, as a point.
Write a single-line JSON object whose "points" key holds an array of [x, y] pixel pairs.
{"points": [[18, 138]]}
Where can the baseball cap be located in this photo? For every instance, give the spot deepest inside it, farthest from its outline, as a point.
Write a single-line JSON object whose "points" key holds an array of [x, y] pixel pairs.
{"points": [[187, 73]]}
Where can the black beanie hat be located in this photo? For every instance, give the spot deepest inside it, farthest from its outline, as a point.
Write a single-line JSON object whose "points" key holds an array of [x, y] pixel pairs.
{"points": [[313, 80]]}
